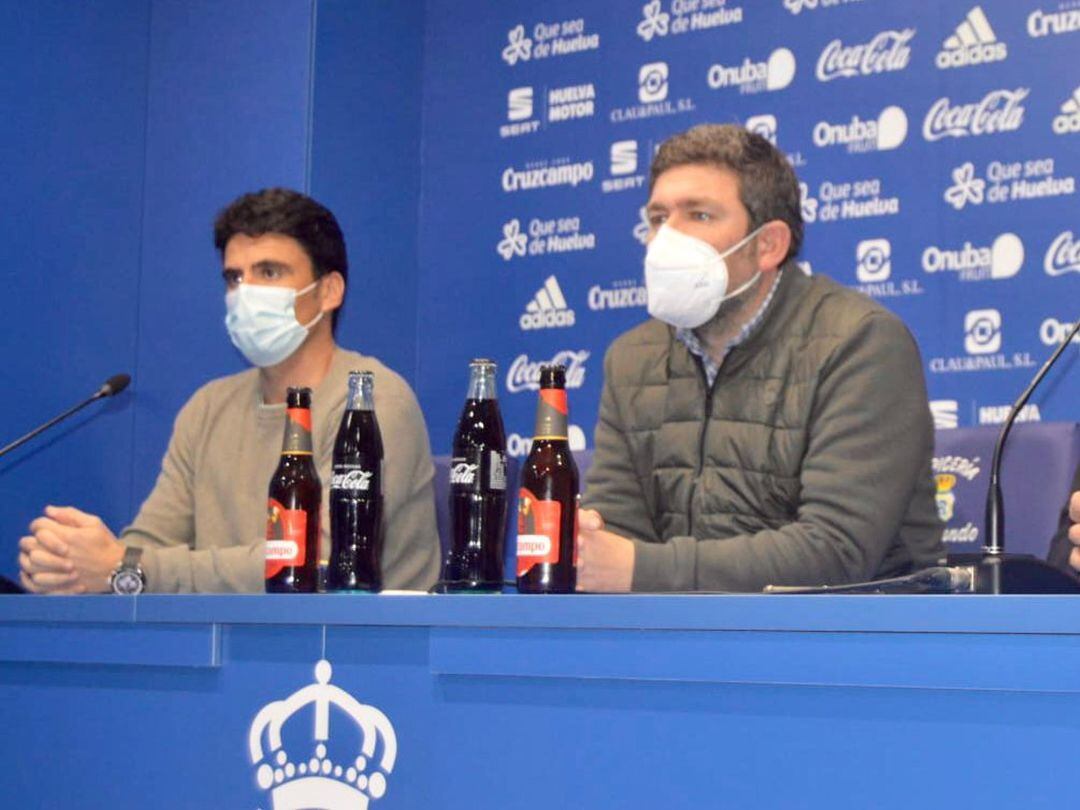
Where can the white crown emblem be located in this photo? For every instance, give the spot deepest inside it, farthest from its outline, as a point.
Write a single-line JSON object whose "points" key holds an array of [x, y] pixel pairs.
{"points": [[314, 780]]}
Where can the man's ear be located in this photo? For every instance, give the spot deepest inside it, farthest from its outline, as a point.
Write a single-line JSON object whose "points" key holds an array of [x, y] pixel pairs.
{"points": [[332, 290], [772, 244]]}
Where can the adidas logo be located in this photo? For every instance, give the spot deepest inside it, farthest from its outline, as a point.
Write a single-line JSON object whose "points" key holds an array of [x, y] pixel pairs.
{"points": [[547, 309], [1069, 120], [973, 43]]}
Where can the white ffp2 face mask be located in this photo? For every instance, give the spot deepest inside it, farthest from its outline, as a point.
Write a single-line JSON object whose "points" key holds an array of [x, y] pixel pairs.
{"points": [[687, 279], [262, 322]]}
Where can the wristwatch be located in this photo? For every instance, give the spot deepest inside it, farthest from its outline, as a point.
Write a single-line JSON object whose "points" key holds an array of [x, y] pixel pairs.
{"points": [[128, 578]]}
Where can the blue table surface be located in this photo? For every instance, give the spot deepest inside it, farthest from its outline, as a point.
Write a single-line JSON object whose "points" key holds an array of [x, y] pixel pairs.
{"points": [[855, 701], [832, 613]]}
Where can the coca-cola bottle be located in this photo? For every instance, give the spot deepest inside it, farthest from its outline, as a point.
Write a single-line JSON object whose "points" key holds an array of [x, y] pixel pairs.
{"points": [[292, 520], [547, 500], [356, 499], [474, 561]]}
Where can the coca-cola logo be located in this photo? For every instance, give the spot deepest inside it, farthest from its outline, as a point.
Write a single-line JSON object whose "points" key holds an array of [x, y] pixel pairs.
{"points": [[1063, 255], [998, 111], [524, 375], [353, 480], [887, 51], [463, 473]]}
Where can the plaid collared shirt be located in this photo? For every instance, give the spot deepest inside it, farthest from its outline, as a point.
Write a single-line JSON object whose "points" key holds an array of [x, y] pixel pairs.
{"points": [[695, 347]]}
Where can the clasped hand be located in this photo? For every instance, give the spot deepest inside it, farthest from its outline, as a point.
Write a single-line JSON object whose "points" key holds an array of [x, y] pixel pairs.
{"points": [[68, 551], [605, 559]]}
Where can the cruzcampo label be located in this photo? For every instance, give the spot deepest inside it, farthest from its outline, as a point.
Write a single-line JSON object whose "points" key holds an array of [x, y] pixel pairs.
{"points": [[286, 538], [539, 531]]}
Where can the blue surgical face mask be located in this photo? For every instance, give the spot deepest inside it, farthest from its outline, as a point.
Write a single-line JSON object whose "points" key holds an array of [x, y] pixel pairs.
{"points": [[262, 322]]}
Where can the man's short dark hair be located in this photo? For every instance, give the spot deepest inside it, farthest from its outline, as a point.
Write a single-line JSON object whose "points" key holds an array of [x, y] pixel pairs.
{"points": [[768, 187], [290, 213]]}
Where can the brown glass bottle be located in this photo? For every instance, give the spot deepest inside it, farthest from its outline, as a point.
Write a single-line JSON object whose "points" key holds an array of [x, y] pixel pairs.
{"points": [[292, 519], [547, 500]]}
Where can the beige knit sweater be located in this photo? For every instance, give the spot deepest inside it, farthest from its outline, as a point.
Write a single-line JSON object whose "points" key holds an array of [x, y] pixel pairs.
{"points": [[203, 525]]}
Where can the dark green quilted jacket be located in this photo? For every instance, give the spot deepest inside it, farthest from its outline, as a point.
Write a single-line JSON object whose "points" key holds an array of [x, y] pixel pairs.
{"points": [[808, 461]]}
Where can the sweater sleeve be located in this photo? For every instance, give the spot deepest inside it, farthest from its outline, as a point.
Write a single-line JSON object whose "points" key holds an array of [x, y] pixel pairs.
{"points": [[165, 525], [870, 437], [410, 558], [613, 488]]}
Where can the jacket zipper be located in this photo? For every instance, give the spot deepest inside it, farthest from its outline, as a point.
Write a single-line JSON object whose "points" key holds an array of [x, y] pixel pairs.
{"points": [[709, 389]]}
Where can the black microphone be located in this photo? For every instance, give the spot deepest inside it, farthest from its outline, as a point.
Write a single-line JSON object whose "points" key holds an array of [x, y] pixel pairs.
{"points": [[111, 387], [996, 571]]}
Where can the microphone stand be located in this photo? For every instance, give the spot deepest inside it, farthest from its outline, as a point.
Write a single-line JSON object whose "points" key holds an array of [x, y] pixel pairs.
{"points": [[112, 386], [995, 571]]}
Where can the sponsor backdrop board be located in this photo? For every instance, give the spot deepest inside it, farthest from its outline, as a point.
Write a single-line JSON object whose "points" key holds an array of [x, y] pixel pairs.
{"points": [[938, 147]]}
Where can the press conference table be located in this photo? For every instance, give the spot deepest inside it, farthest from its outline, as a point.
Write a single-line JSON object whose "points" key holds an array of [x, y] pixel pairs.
{"points": [[528, 702]]}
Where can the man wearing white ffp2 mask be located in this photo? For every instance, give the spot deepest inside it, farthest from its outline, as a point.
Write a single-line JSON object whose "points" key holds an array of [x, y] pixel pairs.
{"points": [[687, 279], [765, 427], [285, 268], [709, 268]]}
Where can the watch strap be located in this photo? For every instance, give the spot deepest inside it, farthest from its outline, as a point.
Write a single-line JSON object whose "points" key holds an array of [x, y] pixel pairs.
{"points": [[132, 555]]}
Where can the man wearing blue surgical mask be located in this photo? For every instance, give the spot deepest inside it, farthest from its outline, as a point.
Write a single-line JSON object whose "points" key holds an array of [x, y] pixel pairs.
{"points": [[764, 427], [202, 528]]}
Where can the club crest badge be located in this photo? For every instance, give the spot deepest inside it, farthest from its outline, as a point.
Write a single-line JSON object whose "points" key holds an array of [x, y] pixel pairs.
{"points": [[310, 776]]}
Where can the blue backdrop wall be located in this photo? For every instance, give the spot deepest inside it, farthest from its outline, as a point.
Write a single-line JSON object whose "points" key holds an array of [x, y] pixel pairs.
{"points": [[488, 163], [71, 229], [118, 154], [937, 142], [365, 164]]}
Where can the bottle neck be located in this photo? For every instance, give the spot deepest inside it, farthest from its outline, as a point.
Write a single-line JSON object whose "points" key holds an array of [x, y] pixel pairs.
{"points": [[552, 415], [361, 393], [297, 441], [482, 382]]}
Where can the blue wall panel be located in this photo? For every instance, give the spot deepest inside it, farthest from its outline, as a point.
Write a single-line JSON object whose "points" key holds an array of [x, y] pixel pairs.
{"points": [[73, 90], [120, 154], [366, 168], [229, 99]]}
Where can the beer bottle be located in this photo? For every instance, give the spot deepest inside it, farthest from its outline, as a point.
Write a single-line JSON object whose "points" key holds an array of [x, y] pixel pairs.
{"points": [[474, 561], [356, 501], [547, 500], [292, 521]]}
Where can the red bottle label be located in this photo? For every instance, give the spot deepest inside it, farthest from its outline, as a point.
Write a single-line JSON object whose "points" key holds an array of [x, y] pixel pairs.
{"points": [[538, 531], [286, 537]]}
